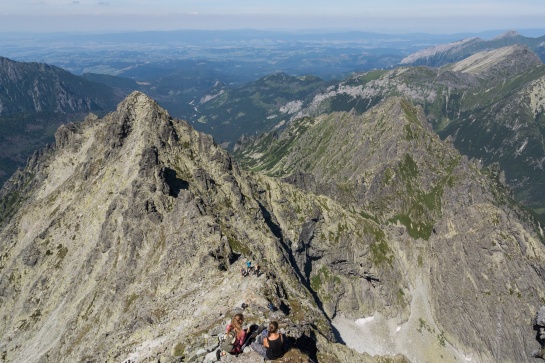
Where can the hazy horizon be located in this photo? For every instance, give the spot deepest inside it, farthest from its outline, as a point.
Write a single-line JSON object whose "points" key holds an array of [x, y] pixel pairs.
{"points": [[390, 16]]}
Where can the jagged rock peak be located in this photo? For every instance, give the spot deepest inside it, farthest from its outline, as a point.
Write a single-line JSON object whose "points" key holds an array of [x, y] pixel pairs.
{"points": [[140, 115], [138, 100], [138, 215], [139, 106]]}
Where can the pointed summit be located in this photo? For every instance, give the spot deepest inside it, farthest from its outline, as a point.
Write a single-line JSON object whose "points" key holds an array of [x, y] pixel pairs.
{"points": [[138, 111], [137, 102]]}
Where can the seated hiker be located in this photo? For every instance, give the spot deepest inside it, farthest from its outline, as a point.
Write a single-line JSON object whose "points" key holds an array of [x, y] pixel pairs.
{"points": [[235, 337], [274, 342], [248, 266], [270, 344]]}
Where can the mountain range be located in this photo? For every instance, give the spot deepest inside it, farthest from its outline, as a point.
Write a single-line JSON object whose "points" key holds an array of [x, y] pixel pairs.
{"points": [[124, 241], [491, 105], [443, 54], [473, 101], [35, 99], [388, 211]]}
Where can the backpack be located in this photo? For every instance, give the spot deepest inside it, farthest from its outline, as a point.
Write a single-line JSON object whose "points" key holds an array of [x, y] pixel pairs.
{"points": [[228, 343]]}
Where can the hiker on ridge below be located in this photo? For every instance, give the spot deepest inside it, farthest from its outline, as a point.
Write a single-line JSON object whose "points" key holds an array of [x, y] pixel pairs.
{"points": [[236, 326]]}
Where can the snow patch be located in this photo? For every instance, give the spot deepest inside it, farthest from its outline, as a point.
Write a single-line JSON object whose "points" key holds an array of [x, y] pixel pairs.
{"points": [[362, 321], [386, 335]]}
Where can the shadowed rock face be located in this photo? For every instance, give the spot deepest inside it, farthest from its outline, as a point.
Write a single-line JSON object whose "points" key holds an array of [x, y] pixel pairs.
{"points": [[39, 87], [125, 241]]}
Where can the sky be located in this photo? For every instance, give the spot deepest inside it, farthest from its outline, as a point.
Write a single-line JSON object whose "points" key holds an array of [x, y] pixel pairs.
{"points": [[392, 16]]}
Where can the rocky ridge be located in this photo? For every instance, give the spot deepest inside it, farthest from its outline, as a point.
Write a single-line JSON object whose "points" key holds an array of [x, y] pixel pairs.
{"points": [[433, 51], [444, 54], [487, 104], [466, 250], [124, 241]]}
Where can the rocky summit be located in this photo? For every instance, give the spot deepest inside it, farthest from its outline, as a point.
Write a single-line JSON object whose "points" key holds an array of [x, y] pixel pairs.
{"points": [[124, 243]]}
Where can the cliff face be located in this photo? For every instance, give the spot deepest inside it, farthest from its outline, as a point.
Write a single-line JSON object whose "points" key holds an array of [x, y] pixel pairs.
{"points": [[125, 241], [38, 87]]}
